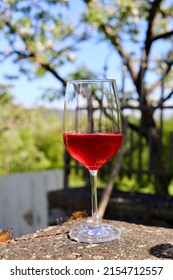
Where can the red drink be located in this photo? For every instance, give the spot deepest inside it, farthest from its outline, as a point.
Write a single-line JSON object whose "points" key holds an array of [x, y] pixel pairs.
{"points": [[92, 150]]}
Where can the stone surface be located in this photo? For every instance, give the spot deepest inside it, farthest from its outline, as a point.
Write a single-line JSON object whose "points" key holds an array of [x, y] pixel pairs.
{"points": [[137, 242]]}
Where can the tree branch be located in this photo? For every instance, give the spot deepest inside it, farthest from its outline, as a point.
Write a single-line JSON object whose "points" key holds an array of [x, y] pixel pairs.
{"points": [[162, 100], [159, 81], [149, 34], [162, 36], [110, 34], [5, 56], [148, 42], [42, 63]]}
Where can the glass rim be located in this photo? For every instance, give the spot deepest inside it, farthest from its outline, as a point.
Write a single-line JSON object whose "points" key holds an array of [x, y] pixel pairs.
{"points": [[91, 81]]}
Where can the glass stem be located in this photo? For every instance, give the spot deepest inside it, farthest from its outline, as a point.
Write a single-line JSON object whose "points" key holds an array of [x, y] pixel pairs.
{"points": [[95, 216]]}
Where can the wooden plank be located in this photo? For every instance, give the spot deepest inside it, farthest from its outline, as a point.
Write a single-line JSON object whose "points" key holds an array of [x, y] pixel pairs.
{"points": [[3, 203], [23, 200], [42, 183], [24, 196], [39, 201]]}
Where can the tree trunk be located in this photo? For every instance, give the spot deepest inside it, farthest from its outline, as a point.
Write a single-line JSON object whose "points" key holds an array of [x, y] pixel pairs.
{"points": [[158, 163]]}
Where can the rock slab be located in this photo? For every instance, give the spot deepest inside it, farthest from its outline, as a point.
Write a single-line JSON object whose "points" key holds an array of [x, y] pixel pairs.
{"points": [[137, 242]]}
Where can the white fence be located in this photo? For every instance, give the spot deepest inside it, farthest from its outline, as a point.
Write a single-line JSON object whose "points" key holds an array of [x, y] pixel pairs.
{"points": [[23, 200]]}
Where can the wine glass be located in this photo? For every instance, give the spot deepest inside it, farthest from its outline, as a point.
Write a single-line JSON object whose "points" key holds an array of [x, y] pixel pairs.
{"points": [[92, 135]]}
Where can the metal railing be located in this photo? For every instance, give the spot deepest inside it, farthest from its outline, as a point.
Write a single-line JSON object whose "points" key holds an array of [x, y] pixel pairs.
{"points": [[139, 158]]}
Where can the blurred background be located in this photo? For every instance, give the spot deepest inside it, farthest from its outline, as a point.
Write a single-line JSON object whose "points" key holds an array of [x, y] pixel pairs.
{"points": [[44, 44]]}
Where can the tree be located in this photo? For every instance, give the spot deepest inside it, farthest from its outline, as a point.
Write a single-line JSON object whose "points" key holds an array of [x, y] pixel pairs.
{"points": [[37, 38], [136, 30]]}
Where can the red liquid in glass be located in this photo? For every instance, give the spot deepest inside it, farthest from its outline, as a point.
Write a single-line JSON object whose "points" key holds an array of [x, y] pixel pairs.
{"points": [[92, 150]]}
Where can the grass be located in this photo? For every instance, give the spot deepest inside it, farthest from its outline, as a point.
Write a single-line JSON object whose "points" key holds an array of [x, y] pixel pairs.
{"points": [[125, 183]]}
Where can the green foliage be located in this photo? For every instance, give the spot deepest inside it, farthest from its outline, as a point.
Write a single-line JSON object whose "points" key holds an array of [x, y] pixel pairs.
{"points": [[83, 73], [30, 139], [51, 145], [39, 36], [134, 183]]}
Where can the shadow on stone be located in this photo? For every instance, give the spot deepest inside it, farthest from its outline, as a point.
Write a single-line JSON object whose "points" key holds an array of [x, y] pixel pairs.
{"points": [[162, 251]]}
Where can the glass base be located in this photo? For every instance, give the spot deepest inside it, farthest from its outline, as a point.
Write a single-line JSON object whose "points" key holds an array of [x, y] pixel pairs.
{"points": [[90, 234]]}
